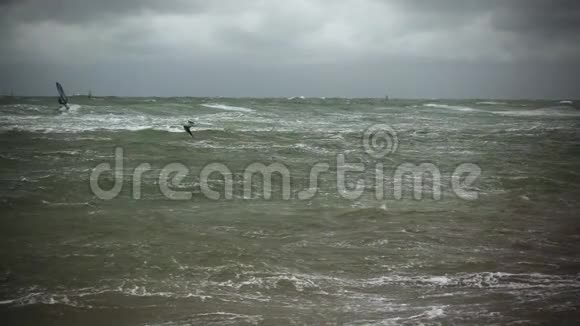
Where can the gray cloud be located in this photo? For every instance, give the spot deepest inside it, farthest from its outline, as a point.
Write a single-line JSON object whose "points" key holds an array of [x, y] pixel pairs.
{"points": [[282, 36], [541, 19], [79, 12]]}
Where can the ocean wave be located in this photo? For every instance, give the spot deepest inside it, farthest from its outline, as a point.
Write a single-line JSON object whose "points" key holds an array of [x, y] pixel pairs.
{"points": [[498, 280], [72, 109], [40, 297], [226, 107], [26, 109], [300, 282], [561, 111], [491, 103], [110, 122], [309, 148], [75, 123], [421, 319], [450, 107], [73, 297], [238, 284], [221, 317]]}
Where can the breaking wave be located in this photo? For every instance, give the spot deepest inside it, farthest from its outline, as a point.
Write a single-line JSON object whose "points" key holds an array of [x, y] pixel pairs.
{"points": [[450, 107], [226, 107], [561, 111]]}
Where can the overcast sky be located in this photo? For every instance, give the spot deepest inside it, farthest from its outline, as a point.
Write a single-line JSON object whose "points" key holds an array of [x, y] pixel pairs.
{"points": [[366, 48]]}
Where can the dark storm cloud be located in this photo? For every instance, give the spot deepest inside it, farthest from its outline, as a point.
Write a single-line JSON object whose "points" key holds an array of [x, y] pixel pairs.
{"points": [[542, 19], [559, 19], [284, 36], [509, 28]]}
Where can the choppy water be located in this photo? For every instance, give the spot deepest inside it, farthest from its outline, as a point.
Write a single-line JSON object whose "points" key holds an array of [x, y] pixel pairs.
{"points": [[511, 257]]}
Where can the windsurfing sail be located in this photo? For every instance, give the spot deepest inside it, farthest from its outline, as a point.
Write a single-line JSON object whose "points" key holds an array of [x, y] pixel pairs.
{"points": [[62, 99]]}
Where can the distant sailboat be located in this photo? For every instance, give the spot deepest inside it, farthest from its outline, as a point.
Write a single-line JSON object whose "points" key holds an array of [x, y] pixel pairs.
{"points": [[90, 94]]}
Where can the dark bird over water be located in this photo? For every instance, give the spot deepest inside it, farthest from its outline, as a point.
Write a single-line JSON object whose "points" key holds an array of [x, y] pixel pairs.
{"points": [[188, 126]]}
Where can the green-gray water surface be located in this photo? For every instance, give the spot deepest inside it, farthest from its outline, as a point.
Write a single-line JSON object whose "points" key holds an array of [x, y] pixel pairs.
{"points": [[509, 256]]}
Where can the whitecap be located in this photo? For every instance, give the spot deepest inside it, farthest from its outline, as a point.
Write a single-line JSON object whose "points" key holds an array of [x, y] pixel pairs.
{"points": [[72, 109], [450, 107], [491, 103], [562, 111], [309, 148], [226, 107]]}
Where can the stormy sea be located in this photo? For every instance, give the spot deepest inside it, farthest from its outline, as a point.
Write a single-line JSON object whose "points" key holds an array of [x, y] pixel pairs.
{"points": [[460, 212]]}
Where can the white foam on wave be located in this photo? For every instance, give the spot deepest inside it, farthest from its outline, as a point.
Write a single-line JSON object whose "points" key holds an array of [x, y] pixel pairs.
{"points": [[296, 97], [226, 107], [491, 103], [433, 313], [309, 148], [72, 109], [357, 296], [450, 107], [72, 297], [221, 317], [498, 280], [40, 297], [24, 109], [562, 111], [105, 118], [75, 123]]}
